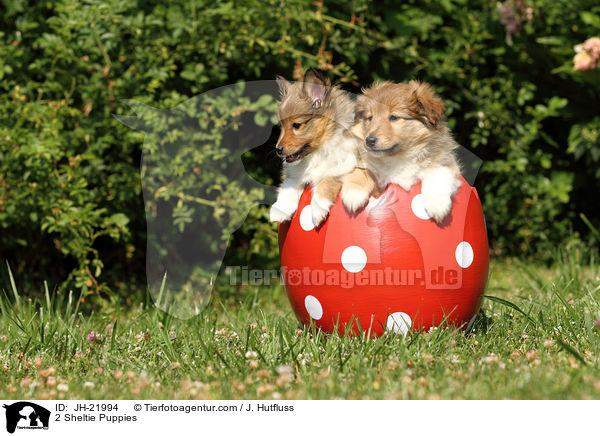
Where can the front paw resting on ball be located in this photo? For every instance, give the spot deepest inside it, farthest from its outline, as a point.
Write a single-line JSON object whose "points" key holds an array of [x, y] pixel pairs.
{"points": [[324, 194], [437, 204], [320, 209], [287, 202], [281, 211], [357, 186], [354, 199], [438, 185]]}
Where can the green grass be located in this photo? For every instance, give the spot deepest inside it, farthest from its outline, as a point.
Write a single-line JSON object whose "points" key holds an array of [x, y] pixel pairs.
{"points": [[541, 341]]}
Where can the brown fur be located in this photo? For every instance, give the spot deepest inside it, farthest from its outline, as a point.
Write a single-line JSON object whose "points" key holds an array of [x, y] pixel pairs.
{"points": [[298, 107], [328, 189]]}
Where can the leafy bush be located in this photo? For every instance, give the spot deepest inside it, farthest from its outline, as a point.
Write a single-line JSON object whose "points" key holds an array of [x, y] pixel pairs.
{"points": [[70, 195], [505, 71]]}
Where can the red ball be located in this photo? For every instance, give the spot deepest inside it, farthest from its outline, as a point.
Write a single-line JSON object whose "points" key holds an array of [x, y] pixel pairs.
{"points": [[388, 267]]}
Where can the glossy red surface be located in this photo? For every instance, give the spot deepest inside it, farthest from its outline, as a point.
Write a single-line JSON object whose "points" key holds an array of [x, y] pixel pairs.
{"points": [[387, 267]]}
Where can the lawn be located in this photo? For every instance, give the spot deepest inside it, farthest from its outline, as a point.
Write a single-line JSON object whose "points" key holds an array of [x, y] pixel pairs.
{"points": [[540, 340]]}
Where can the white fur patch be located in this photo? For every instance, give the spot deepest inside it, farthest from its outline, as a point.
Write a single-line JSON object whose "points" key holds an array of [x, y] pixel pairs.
{"points": [[354, 199], [334, 158], [399, 170], [406, 177], [279, 213], [276, 215]]}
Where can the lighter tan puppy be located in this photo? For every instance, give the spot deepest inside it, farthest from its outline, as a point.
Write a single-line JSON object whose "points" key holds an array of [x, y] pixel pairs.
{"points": [[407, 140]]}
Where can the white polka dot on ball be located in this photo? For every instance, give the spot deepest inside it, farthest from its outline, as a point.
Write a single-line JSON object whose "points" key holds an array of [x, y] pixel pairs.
{"points": [[418, 207], [306, 219], [354, 259], [398, 322], [464, 254], [313, 307]]}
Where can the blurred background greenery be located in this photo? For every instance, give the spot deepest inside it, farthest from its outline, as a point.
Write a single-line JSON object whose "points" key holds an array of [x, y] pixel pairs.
{"points": [[71, 208]]}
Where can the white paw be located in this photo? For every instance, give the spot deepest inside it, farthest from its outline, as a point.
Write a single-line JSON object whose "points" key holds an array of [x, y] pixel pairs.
{"points": [[437, 204], [354, 199], [281, 212], [320, 209]]}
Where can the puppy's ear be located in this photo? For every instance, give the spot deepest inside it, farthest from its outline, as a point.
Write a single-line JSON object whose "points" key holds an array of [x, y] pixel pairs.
{"points": [[316, 87], [424, 103], [283, 85]]}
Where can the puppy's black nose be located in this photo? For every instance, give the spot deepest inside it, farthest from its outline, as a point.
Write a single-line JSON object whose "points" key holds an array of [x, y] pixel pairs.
{"points": [[279, 150], [371, 141]]}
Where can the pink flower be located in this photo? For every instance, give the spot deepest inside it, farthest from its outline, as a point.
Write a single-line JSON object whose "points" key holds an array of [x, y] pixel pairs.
{"points": [[592, 45], [587, 54], [92, 337], [583, 61], [597, 323]]}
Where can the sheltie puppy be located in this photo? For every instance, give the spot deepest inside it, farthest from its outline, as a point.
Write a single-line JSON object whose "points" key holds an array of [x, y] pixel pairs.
{"points": [[407, 140], [316, 146]]}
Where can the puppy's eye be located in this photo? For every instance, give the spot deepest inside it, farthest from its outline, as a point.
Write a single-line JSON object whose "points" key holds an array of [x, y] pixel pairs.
{"points": [[370, 118], [296, 126], [394, 118]]}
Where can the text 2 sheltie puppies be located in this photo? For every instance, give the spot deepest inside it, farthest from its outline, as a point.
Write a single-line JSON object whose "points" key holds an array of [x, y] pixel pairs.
{"points": [[407, 140], [315, 144]]}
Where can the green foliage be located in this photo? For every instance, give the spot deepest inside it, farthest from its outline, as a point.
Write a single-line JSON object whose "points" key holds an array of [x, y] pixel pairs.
{"points": [[584, 143], [515, 100], [70, 192]]}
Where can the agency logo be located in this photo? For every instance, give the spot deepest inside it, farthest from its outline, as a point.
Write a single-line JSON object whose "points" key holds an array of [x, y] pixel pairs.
{"points": [[26, 415]]}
